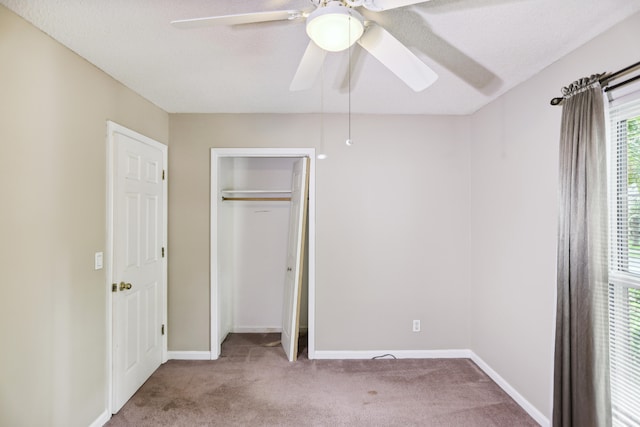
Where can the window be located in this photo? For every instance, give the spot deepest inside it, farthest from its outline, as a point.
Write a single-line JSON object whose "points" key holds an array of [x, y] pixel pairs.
{"points": [[624, 266]]}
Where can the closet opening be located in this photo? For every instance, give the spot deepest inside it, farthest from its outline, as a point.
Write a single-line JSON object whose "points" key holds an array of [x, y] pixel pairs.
{"points": [[263, 247]]}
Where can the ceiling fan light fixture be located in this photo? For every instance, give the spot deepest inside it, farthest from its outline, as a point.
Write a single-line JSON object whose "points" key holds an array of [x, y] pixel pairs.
{"points": [[335, 27]]}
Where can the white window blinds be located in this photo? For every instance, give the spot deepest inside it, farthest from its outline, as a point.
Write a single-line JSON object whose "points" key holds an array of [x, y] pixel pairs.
{"points": [[624, 267]]}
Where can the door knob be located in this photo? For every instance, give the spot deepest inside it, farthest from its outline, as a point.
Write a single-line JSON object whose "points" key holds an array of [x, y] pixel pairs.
{"points": [[124, 286]]}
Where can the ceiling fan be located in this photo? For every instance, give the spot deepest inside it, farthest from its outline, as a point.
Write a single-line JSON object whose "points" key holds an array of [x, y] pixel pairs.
{"points": [[333, 26]]}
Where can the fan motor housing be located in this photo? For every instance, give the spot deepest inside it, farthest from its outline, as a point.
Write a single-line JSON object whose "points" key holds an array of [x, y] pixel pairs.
{"points": [[335, 27]]}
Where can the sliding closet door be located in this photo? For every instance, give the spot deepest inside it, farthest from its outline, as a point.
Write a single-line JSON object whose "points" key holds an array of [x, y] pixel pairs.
{"points": [[295, 258]]}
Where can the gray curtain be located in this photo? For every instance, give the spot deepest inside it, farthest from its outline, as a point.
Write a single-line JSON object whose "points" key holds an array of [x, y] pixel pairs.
{"points": [[581, 376]]}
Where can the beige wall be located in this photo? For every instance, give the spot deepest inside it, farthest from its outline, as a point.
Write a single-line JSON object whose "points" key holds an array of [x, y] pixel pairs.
{"points": [[53, 112], [392, 226], [514, 211]]}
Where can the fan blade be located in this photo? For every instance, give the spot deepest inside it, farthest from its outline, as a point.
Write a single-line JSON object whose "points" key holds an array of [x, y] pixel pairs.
{"points": [[380, 5], [242, 18], [310, 66], [397, 58]]}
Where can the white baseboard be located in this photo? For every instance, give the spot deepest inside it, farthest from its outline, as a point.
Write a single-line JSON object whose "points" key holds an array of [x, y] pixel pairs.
{"points": [[255, 330], [398, 354], [101, 420], [189, 355], [520, 400], [262, 330], [442, 354]]}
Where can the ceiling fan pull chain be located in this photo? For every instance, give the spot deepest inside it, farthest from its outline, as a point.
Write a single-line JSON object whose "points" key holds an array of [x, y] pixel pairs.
{"points": [[349, 142], [322, 154]]}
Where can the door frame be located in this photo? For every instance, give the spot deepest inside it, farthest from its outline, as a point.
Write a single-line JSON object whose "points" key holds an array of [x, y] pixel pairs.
{"points": [[216, 155], [112, 129]]}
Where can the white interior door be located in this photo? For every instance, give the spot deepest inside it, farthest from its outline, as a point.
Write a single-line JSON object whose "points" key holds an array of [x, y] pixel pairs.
{"points": [[137, 265], [295, 257]]}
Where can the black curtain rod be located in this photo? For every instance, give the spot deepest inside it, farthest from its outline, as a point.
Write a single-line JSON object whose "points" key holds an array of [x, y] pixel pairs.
{"points": [[604, 81], [607, 78], [626, 82]]}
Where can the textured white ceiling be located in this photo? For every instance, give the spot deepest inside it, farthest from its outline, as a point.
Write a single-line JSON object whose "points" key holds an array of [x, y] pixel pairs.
{"points": [[479, 48]]}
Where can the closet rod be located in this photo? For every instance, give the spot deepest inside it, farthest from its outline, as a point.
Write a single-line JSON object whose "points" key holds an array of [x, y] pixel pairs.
{"points": [[257, 199], [604, 81]]}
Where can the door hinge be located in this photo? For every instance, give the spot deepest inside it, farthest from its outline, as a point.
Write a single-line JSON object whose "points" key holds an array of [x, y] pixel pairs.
{"points": [[163, 252], [162, 330], [163, 174], [114, 287]]}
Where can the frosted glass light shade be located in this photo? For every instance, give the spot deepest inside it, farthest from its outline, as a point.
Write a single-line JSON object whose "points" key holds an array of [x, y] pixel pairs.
{"points": [[335, 27]]}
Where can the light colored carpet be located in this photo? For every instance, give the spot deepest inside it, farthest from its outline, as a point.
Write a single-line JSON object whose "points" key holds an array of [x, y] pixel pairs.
{"points": [[252, 384]]}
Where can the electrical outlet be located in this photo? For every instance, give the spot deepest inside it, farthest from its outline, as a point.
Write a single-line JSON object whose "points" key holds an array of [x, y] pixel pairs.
{"points": [[416, 326]]}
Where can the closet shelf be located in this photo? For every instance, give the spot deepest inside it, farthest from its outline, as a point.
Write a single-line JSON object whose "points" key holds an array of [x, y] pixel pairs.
{"points": [[256, 191], [256, 195]]}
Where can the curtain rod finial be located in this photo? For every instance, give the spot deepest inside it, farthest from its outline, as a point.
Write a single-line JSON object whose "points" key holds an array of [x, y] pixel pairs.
{"points": [[557, 101]]}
